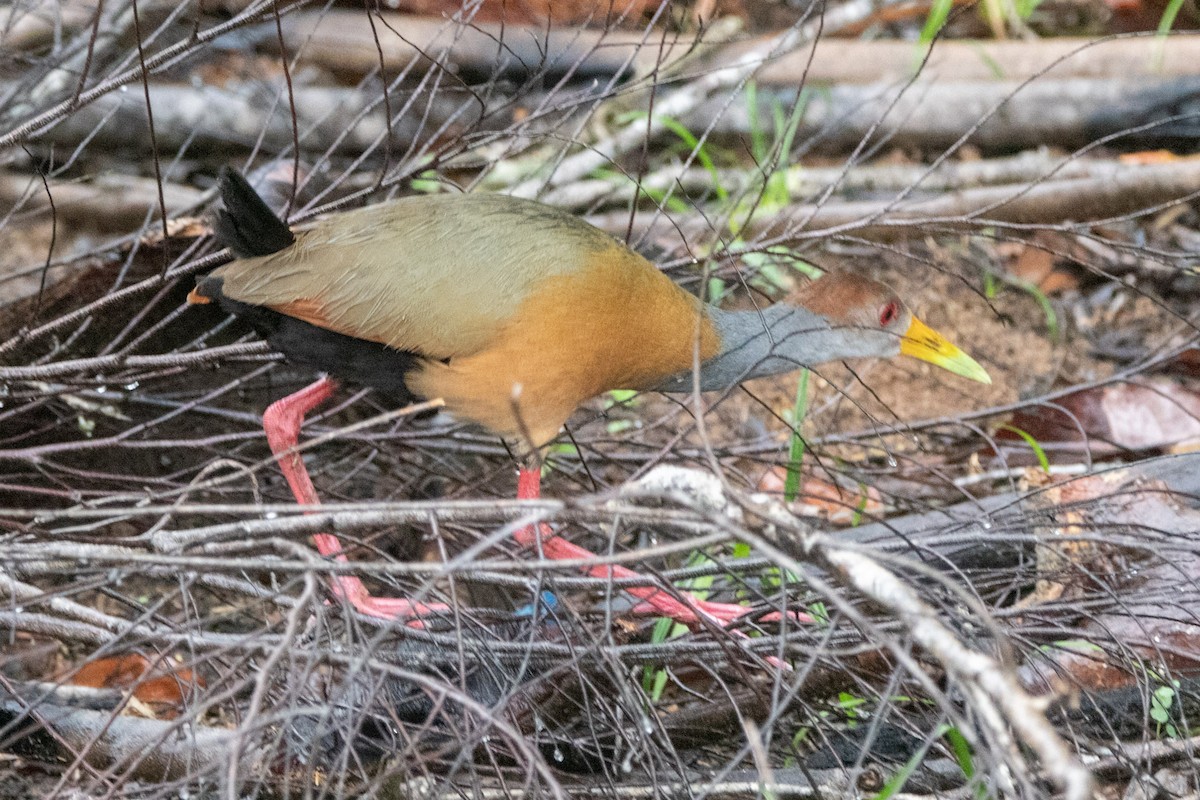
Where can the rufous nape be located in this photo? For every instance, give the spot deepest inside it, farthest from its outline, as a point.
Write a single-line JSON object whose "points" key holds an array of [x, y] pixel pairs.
{"points": [[513, 313]]}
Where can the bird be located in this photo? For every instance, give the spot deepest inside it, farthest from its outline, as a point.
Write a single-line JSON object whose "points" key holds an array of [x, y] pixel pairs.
{"points": [[513, 312]]}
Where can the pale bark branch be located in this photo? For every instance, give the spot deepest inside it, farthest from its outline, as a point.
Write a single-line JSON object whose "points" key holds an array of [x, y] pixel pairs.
{"points": [[682, 101], [108, 201], [993, 115], [996, 690], [1111, 192]]}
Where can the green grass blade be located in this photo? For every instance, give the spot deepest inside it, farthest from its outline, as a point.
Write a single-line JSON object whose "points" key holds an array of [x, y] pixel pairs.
{"points": [[939, 12], [1167, 21], [897, 781], [1043, 462], [689, 139], [791, 483], [962, 751]]}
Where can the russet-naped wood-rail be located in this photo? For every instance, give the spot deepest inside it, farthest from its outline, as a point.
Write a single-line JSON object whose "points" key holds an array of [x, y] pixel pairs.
{"points": [[514, 313]]}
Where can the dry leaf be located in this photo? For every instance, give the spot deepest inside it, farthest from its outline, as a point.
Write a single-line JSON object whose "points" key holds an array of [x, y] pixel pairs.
{"points": [[160, 688], [1151, 415]]}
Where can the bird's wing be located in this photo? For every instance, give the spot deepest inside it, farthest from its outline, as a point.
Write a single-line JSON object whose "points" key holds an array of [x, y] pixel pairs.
{"points": [[439, 276]]}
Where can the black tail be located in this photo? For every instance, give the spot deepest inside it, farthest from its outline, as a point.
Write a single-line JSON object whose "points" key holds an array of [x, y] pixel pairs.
{"points": [[246, 225]]}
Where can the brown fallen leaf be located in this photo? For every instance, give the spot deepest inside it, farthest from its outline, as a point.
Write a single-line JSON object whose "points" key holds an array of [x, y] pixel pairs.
{"points": [[160, 687], [1033, 264], [1187, 363], [1037, 263], [1154, 414]]}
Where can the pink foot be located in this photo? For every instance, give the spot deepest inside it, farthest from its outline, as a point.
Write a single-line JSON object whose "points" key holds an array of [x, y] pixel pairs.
{"points": [[683, 608], [282, 421]]}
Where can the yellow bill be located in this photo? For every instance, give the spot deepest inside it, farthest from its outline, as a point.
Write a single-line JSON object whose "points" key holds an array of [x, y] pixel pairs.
{"points": [[921, 341]]}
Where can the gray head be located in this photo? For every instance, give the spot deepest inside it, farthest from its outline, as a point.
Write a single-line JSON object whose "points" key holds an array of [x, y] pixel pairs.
{"points": [[836, 317]]}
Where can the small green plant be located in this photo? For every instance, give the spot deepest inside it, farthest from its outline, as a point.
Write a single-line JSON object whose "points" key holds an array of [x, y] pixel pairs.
{"points": [[897, 781], [701, 152], [791, 483], [1073, 646], [1037, 449], [621, 397], [961, 749], [999, 15], [1047, 307], [615, 426], [770, 267], [771, 192], [1167, 21], [772, 155], [852, 707], [716, 290], [864, 497], [654, 679], [773, 578], [557, 449], [615, 398], [991, 281], [801, 736], [427, 183], [660, 197], [939, 12], [1161, 702], [965, 756], [991, 286], [693, 145]]}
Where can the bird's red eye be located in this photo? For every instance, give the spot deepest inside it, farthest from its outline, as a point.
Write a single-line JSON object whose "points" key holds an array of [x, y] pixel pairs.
{"points": [[889, 313]]}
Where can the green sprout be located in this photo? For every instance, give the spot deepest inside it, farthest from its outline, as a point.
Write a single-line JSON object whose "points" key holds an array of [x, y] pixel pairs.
{"points": [[1036, 447]]}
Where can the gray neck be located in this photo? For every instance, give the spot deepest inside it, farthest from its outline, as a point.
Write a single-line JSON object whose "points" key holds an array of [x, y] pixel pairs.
{"points": [[780, 338]]}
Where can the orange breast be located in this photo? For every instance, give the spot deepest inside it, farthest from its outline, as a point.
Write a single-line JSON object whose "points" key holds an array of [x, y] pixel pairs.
{"points": [[617, 323]]}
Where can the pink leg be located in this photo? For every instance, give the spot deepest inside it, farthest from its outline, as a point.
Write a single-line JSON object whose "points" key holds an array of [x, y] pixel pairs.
{"points": [[688, 611], [282, 421]]}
